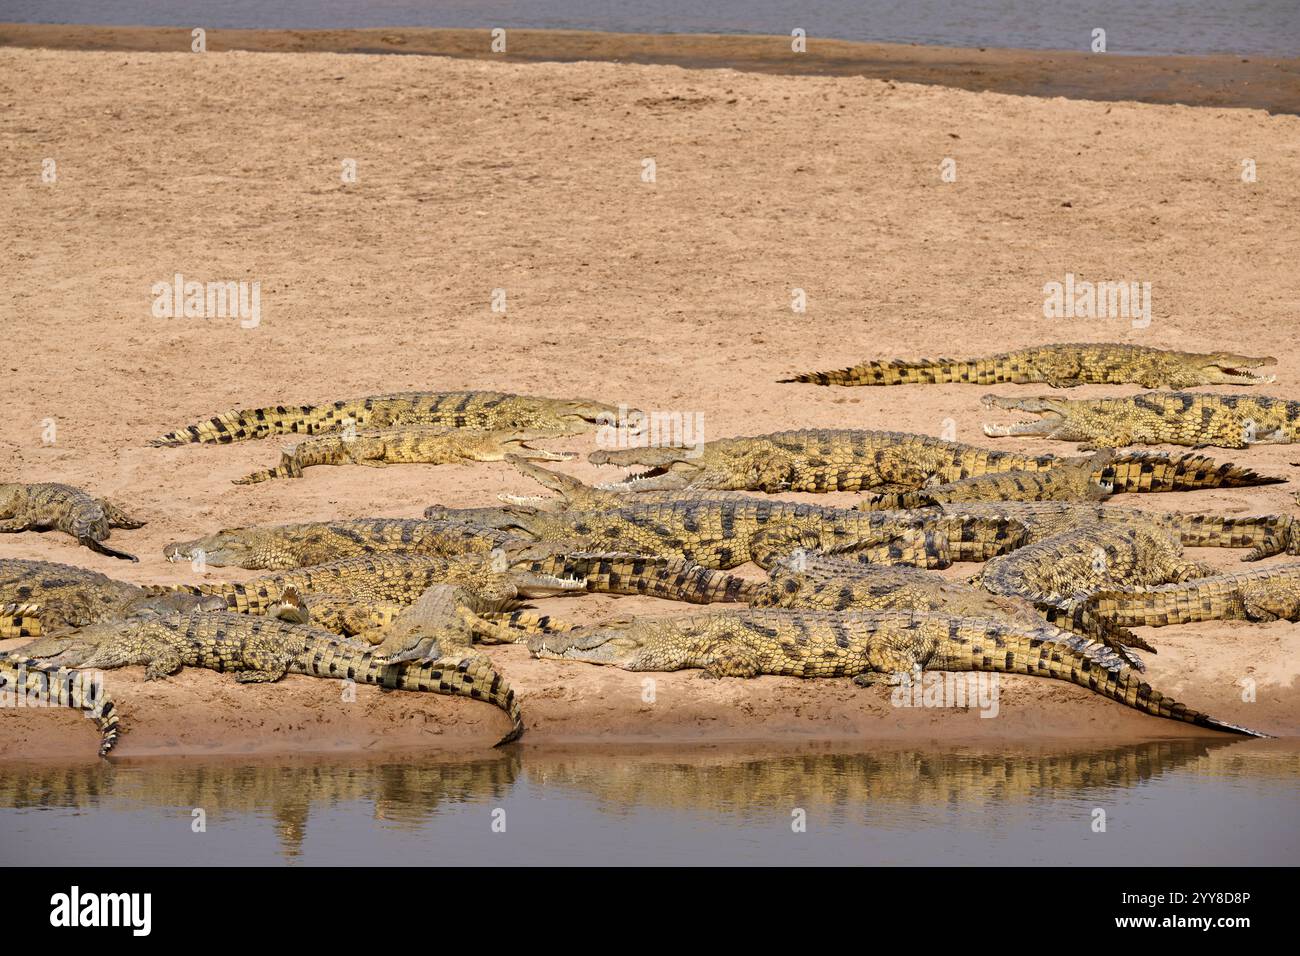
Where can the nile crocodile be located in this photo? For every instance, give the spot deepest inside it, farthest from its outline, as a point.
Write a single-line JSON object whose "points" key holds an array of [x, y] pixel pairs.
{"points": [[1060, 366], [430, 445], [265, 649], [1155, 418], [42, 683], [41, 598], [1264, 594], [828, 459], [489, 410], [1090, 480], [729, 532], [47, 505], [281, 547], [872, 647], [719, 534], [828, 583]]}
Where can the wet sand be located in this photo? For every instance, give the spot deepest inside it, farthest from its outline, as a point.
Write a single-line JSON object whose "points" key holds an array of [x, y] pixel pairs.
{"points": [[1260, 82], [675, 295]]}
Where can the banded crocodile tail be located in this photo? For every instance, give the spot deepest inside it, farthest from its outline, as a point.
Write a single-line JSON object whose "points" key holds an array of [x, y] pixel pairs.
{"points": [[1143, 471], [1048, 652], [101, 548], [20, 620], [65, 686], [290, 467], [920, 372], [239, 598], [250, 423], [473, 676]]}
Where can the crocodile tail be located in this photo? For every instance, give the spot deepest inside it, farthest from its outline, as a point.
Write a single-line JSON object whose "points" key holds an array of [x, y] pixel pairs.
{"points": [[239, 598], [474, 677], [250, 423], [65, 686], [1050, 652], [20, 620], [1140, 471], [921, 372], [290, 467]]}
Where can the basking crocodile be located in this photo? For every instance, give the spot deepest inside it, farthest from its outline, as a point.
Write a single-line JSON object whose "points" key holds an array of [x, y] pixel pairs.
{"points": [[1155, 418], [265, 649], [725, 533], [1058, 575], [491, 410], [828, 459], [1091, 480], [870, 646], [1060, 366], [1264, 594], [719, 534], [50, 506], [819, 582], [417, 444], [41, 598], [281, 547], [41, 684]]}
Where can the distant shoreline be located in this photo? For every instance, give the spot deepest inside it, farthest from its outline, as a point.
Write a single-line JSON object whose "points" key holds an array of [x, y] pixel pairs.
{"points": [[1257, 82]]}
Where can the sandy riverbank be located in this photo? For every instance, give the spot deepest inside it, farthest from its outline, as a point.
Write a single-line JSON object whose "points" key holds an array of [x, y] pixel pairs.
{"points": [[1260, 82], [674, 295]]}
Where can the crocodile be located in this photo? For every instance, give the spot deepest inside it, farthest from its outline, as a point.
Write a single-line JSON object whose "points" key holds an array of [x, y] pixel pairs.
{"points": [[45, 506], [726, 533], [376, 579], [1264, 594], [870, 646], [719, 534], [1091, 480], [821, 582], [490, 410], [1023, 522], [1155, 418], [1075, 363], [44, 599], [422, 444], [828, 459], [39, 684], [262, 649], [1058, 574], [282, 547]]}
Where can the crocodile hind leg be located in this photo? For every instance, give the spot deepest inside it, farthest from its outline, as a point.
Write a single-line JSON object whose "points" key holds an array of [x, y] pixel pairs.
{"points": [[117, 518]]}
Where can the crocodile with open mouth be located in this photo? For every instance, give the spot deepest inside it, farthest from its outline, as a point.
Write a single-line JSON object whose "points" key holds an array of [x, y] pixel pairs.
{"points": [[1155, 418], [488, 410], [1060, 366]]}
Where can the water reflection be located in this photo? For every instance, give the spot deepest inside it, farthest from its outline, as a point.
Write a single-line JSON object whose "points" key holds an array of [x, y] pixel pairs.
{"points": [[405, 793]]}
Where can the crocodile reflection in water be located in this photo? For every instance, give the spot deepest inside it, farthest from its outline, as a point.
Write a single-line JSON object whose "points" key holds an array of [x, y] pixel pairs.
{"points": [[407, 793]]}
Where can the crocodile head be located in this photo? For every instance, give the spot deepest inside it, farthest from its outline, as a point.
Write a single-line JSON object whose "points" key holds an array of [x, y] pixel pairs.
{"points": [[729, 465], [597, 413], [1053, 412], [234, 547], [1222, 368], [514, 442], [643, 644]]}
